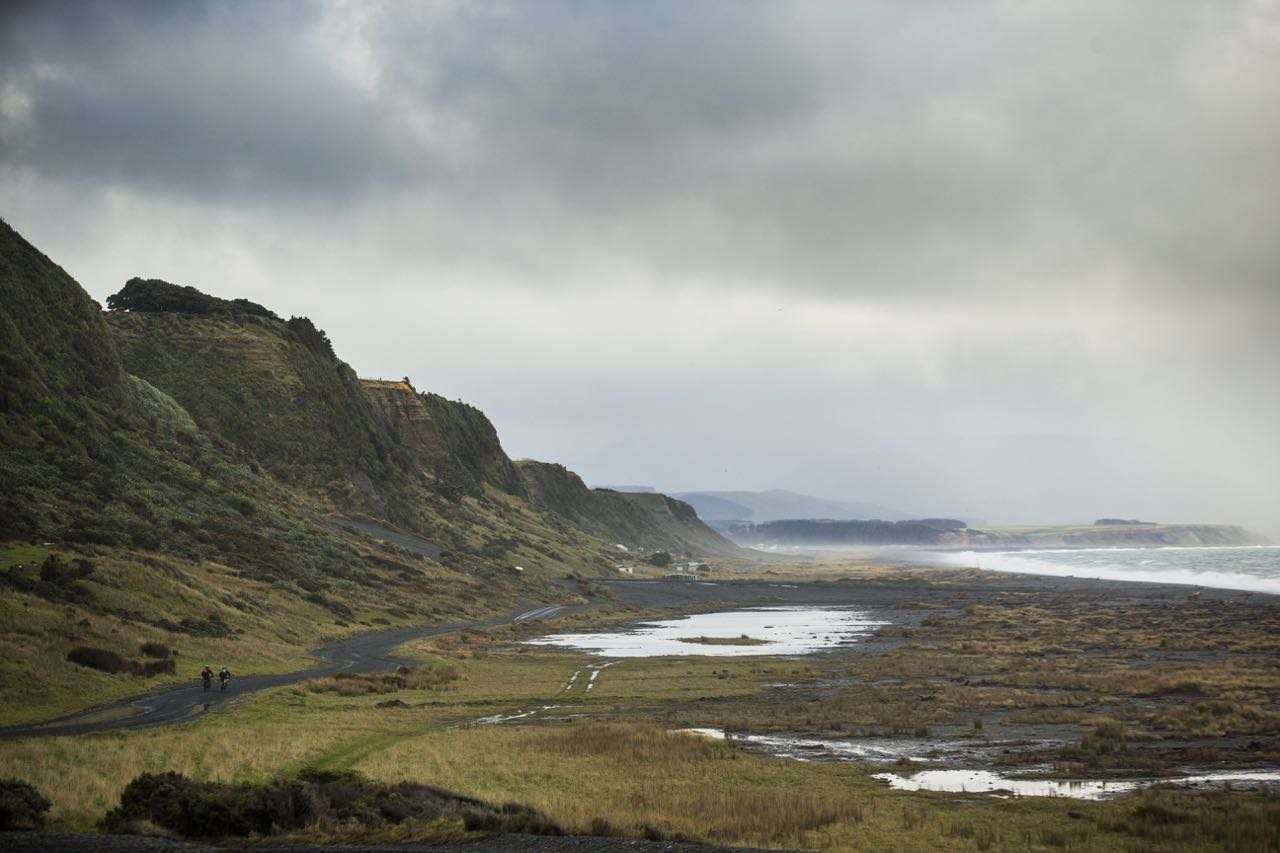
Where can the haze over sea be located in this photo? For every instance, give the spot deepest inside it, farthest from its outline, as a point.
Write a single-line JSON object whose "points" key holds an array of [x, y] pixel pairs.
{"points": [[1252, 567]]}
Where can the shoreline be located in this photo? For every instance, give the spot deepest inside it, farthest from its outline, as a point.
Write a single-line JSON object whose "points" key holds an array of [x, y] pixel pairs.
{"points": [[1023, 561]]}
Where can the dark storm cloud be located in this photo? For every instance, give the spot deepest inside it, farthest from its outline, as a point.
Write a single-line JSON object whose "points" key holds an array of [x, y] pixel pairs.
{"points": [[870, 148], [191, 99], [956, 249]]}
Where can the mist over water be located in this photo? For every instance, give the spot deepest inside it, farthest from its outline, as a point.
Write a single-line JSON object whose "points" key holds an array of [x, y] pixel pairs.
{"points": [[1255, 568]]}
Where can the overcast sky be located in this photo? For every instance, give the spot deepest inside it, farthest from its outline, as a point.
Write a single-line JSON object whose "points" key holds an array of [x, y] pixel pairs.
{"points": [[1018, 261]]}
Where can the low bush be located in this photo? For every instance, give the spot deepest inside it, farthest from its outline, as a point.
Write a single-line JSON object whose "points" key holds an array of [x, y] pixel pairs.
{"points": [[99, 659], [313, 800], [21, 805], [155, 650], [56, 570], [111, 663]]}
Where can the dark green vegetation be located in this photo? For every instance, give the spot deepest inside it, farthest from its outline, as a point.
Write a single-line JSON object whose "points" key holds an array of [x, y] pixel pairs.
{"points": [[21, 805], [105, 660], [188, 460], [314, 800]]}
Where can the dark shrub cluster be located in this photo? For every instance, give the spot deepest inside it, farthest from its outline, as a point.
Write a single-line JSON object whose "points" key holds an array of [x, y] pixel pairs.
{"points": [[155, 295], [659, 559], [155, 650], [102, 660], [56, 570], [54, 580], [111, 663], [21, 805], [310, 337], [314, 799]]}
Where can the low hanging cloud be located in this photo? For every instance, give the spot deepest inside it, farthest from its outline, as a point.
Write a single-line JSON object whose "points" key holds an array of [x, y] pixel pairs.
{"points": [[1016, 260]]}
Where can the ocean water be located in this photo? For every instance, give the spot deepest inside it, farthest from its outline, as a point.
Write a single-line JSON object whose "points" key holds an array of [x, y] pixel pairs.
{"points": [[784, 630], [1254, 568]]}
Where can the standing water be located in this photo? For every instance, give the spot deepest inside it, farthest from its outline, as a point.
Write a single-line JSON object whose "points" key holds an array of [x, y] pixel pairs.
{"points": [[737, 633]]}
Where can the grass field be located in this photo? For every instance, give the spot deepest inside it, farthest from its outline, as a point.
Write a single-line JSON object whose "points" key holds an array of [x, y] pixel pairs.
{"points": [[609, 761], [207, 612]]}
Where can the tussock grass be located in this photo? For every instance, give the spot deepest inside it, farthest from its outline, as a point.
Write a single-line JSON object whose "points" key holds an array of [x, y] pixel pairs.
{"points": [[426, 677], [629, 778], [635, 777], [1165, 819]]}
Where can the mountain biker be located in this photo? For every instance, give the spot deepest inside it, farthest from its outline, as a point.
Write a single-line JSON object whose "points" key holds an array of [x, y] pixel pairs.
{"points": [[206, 676], [224, 677]]}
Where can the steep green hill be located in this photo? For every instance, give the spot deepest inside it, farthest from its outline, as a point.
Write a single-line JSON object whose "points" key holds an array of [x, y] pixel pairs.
{"points": [[201, 473], [93, 455], [299, 414], [122, 521]]}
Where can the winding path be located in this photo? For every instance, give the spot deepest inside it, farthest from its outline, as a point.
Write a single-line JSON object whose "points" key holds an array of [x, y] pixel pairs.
{"points": [[362, 653]]}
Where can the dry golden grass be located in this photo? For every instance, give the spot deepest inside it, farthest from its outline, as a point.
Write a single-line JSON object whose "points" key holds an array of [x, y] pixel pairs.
{"points": [[426, 677], [1037, 657], [271, 628]]}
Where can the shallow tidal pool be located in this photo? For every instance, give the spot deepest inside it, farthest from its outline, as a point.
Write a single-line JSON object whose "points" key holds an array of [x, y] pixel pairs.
{"points": [[770, 630], [986, 782]]}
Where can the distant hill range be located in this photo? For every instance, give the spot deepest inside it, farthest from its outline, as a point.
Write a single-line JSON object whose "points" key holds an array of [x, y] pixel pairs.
{"points": [[955, 534], [779, 504]]}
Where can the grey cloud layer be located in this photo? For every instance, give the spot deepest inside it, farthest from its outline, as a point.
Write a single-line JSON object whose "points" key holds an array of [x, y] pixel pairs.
{"points": [[1067, 202]]}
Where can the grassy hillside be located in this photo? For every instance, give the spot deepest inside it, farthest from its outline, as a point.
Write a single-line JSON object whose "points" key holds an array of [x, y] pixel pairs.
{"points": [[181, 470], [94, 456], [301, 415]]}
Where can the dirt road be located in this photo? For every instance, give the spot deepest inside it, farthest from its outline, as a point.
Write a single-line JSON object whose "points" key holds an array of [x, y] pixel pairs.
{"points": [[361, 653]]}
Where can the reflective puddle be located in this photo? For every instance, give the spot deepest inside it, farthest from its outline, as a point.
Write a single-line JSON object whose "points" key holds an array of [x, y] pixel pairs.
{"points": [[969, 781], [986, 782], [736, 633]]}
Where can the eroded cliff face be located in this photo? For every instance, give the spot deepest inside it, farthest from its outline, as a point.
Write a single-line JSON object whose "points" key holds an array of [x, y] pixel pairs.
{"points": [[407, 416], [455, 444]]}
